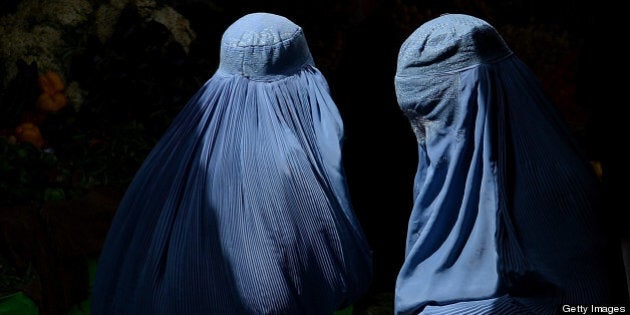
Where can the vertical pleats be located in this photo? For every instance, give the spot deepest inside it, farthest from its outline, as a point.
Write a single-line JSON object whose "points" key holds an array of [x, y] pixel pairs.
{"points": [[239, 209]]}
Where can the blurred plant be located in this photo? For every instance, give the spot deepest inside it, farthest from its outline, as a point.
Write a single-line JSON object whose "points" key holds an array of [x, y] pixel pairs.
{"points": [[127, 71], [53, 97], [28, 174], [29, 132]]}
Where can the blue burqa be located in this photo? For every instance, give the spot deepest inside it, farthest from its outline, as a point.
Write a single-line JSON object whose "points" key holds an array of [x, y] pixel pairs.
{"points": [[506, 216], [242, 206]]}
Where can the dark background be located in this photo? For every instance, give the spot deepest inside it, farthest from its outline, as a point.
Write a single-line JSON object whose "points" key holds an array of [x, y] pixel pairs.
{"points": [[57, 199]]}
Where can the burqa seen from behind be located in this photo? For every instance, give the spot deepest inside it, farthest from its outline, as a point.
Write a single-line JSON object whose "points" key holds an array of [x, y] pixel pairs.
{"points": [[242, 206]]}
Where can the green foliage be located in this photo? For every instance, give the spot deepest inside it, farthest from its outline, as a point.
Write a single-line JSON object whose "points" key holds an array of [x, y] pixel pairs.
{"points": [[17, 303]]}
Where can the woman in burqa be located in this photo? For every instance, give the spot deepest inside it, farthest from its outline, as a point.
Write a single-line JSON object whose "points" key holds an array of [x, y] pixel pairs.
{"points": [[241, 208], [506, 216]]}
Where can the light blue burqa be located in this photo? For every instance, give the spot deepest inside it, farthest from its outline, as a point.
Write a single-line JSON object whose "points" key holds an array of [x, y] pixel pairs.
{"points": [[242, 206], [506, 216]]}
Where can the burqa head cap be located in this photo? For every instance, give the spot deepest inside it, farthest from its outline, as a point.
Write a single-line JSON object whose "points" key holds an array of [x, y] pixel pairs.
{"points": [[442, 46], [264, 46], [448, 43]]}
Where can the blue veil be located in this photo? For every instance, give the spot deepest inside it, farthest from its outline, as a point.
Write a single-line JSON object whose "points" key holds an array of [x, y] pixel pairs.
{"points": [[242, 206], [506, 216]]}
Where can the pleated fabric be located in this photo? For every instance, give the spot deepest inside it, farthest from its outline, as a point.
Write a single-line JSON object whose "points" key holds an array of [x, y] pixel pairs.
{"points": [[506, 216], [242, 206]]}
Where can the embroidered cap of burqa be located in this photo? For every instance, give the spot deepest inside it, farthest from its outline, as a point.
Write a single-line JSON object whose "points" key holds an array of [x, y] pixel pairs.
{"points": [[242, 206], [506, 216]]}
